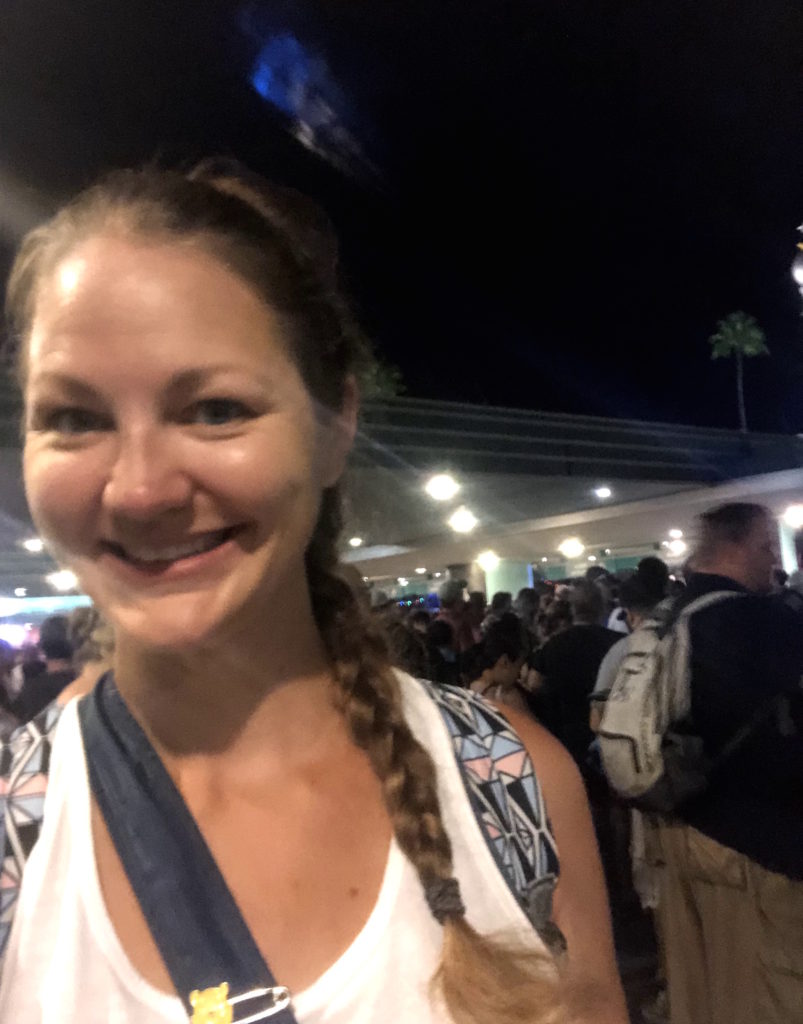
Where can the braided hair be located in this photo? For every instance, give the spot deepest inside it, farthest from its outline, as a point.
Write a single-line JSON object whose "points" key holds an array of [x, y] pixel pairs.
{"points": [[284, 248]]}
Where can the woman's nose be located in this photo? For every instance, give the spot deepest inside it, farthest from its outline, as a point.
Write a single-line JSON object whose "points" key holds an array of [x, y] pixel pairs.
{"points": [[147, 477]]}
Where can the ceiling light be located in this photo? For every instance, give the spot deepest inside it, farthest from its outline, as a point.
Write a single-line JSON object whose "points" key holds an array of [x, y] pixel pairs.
{"points": [[438, 575], [20, 592], [63, 580], [545, 559], [442, 487], [421, 571], [488, 561], [676, 547], [402, 581], [793, 516], [356, 542], [463, 520], [676, 534], [592, 558], [603, 492], [607, 551], [572, 547], [34, 544]]}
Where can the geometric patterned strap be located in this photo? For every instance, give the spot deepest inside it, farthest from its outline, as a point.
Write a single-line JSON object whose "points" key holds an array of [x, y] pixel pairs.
{"points": [[507, 802], [24, 768]]}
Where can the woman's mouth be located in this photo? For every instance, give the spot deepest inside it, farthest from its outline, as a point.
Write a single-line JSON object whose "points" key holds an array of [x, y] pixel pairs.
{"points": [[157, 559]]}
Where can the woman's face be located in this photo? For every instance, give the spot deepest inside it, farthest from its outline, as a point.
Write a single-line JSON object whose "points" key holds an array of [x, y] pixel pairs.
{"points": [[173, 456]]}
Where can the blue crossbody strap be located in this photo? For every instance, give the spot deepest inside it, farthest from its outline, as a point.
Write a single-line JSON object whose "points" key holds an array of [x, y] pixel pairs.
{"points": [[210, 954]]}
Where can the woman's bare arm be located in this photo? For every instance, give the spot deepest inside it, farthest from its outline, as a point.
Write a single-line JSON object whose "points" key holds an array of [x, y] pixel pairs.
{"points": [[581, 908]]}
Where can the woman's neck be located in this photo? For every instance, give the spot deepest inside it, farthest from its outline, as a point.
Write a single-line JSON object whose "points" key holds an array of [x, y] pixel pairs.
{"points": [[262, 688]]}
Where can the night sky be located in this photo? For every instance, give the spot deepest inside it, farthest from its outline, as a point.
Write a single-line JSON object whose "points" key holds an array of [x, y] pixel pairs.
{"points": [[541, 205]]}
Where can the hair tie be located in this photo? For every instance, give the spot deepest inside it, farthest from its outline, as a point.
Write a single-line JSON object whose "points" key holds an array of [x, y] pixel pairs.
{"points": [[444, 899]]}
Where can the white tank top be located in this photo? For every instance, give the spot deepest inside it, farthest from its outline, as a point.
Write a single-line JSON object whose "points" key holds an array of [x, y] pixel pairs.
{"points": [[65, 965]]}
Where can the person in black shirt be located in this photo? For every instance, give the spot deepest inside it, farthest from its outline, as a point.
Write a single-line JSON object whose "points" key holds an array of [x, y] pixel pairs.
{"points": [[733, 883], [566, 667], [40, 690]]}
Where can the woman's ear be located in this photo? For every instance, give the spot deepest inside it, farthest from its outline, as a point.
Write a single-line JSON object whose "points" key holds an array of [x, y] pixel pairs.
{"points": [[340, 431]]}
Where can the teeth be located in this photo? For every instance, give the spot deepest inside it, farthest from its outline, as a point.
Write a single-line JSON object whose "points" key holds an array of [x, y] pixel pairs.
{"points": [[172, 554]]}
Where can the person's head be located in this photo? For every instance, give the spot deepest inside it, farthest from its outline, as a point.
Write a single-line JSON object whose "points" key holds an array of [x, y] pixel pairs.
{"points": [[419, 620], [588, 604], [440, 634], [54, 639], [450, 595], [554, 618], [653, 573], [476, 607], [505, 648], [501, 602], [188, 366], [526, 605], [638, 600], [738, 540], [198, 316]]}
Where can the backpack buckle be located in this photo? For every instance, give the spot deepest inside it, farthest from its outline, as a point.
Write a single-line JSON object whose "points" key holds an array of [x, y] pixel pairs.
{"points": [[214, 1006]]}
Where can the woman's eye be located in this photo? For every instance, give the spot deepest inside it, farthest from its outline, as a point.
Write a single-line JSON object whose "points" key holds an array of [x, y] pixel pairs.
{"points": [[216, 412], [72, 421]]}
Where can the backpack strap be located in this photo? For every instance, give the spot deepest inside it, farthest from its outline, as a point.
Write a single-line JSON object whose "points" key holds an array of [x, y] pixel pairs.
{"points": [[507, 802], [24, 769]]}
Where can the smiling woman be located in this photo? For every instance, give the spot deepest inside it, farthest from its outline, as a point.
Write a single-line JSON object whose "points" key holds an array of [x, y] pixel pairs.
{"points": [[254, 784]]}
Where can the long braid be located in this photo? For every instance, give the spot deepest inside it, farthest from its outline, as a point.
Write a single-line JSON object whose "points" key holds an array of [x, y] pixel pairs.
{"points": [[481, 980]]}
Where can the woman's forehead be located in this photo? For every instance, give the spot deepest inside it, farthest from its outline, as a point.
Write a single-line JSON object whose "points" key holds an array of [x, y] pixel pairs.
{"points": [[114, 290]]}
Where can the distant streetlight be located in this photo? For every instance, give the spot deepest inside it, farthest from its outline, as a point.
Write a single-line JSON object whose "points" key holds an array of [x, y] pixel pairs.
{"points": [[442, 487]]}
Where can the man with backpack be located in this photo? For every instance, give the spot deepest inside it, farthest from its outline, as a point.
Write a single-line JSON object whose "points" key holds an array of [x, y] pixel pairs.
{"points": [[721, 693]]}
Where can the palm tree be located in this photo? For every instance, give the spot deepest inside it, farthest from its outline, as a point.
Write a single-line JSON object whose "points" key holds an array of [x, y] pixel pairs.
{"points": [[740, 335]]}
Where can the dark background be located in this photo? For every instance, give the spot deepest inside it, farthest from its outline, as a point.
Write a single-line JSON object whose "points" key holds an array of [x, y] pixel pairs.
{"points": [[541, 205]]}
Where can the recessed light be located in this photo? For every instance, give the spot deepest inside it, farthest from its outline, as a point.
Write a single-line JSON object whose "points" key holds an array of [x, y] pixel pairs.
{"points": [[793, 516], [488, 561], [463, 520], [356, 542], [442, 487], [421, 571], [572, 547], [34, 544], [603, 492], [63, 580], [676, 534]]}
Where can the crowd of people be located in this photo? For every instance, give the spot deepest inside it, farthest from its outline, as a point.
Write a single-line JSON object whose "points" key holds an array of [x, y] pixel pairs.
{"points": [[722, 874], [71, 653], [260, 791]]}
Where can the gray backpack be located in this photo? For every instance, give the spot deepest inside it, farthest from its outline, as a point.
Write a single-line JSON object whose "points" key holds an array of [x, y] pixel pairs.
{"points": [[647, 756]]}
